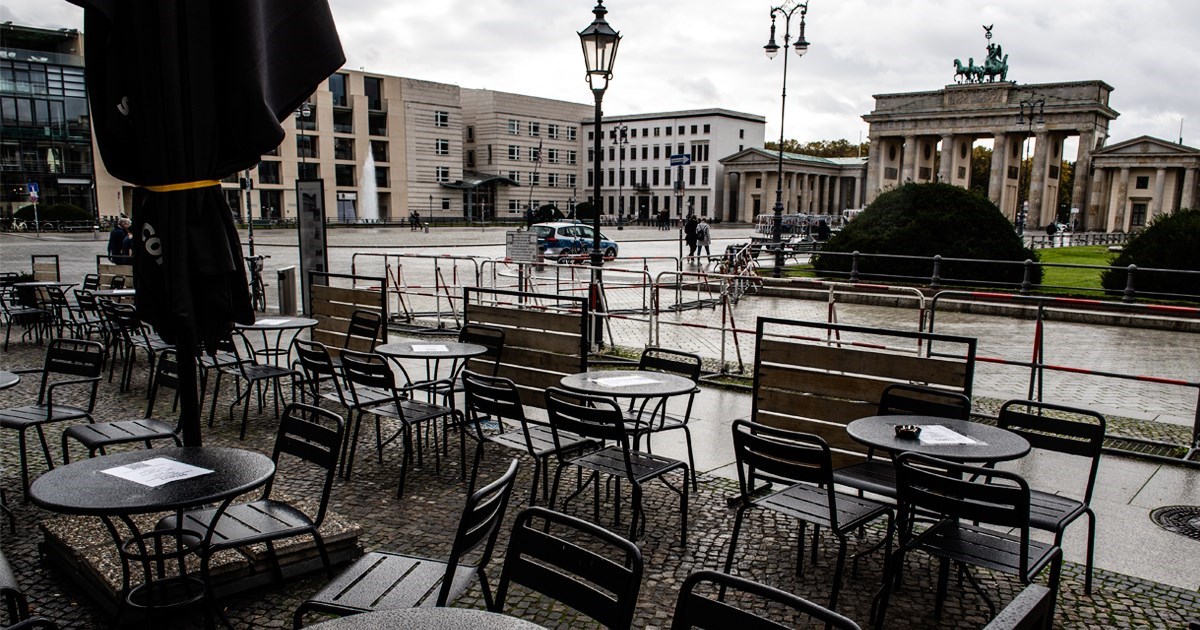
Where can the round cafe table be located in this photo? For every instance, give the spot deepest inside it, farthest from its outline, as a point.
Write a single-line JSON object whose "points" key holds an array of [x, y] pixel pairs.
{"points": [[114, 293], [445, 618], [627, 384], [433, 352], [281, 325], [991, 444], [8, 379]]}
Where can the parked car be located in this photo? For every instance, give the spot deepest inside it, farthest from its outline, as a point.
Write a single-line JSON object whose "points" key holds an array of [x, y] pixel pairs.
{"points": [[562, 239]]}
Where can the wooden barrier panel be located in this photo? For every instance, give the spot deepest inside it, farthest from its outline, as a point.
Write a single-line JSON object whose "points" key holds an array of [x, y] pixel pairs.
{"points": [[817, 377], [107, 271], [45, 268], [333, 307], [540, 345]]}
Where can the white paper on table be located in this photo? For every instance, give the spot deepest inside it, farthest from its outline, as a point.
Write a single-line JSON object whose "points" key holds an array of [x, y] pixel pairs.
{"points": [[940, 435], [271, 321], [623, 381], [156, 472], [418, 347]]}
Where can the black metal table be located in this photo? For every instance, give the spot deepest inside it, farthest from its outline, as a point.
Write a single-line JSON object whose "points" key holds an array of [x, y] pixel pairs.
{"points": [[627, 384], [115, 293], [991, 444], [8, 379], [83, 488], [441, 618], [279, 325], [433, 352]]}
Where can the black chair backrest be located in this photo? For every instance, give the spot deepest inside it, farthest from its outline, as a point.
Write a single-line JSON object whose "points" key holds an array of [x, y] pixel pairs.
{"points": [[16, 607], [305, 432], [363, 324], [317, 366], [366, 369], [915, 400], [1072, 430], [91, 282], [479, 525], [166, 374], [602, 586], [496, 397], [117, 282], [489, 337], [72, 357], [684, 364], [781, 456], [588, 416], [968, 493], [694, 610], [86, 300]]}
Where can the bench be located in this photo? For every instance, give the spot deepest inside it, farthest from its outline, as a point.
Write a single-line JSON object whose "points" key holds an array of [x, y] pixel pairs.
{"points": [[1030, 609]]}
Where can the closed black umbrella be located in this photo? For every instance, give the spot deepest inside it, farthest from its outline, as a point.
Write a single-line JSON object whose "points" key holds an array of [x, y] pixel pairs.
{"points": [[183, 94]]}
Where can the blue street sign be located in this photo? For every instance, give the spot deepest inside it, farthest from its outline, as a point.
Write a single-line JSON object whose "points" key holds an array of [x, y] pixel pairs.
{"points": [[32, 189], [681, 159]]}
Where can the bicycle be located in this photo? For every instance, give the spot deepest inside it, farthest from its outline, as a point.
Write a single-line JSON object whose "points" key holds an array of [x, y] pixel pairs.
{"points": [[258, 288]]}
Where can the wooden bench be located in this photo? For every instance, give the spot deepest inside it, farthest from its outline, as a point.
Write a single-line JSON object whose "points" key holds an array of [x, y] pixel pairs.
{"points": [[545, 336], [334, 300], [817, 377]]}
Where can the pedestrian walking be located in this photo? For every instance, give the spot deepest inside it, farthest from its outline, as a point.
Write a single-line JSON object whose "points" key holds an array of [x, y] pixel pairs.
{"points": [[703, 237], [689, 234], [120, 242]]}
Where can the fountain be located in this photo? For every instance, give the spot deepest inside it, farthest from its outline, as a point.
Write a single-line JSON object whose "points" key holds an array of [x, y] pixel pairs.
{"points": [[368, 196]]}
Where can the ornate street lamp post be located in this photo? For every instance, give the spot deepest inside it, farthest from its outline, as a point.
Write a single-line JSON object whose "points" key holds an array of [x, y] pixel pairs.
{"points": [[1033, 115], [599, 53], [620, 138], [801, 46]]}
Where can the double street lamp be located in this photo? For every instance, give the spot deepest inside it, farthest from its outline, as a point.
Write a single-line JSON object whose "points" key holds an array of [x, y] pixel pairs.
{"points": [[599, 53], [620, 138], [786, 10], [1032, 114]]}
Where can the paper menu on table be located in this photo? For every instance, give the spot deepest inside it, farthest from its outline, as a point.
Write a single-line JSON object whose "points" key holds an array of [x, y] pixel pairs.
{"points": [[623, 381], [271, 321], [432, 347], [156, 472], [936, 434]]}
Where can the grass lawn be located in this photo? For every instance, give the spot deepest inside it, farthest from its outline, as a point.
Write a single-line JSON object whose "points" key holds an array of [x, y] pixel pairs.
{"points": [[1073, 277]]}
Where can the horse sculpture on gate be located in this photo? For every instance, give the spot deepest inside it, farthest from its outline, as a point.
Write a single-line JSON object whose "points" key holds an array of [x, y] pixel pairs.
{"points": [[995, 65], [969, 73]]}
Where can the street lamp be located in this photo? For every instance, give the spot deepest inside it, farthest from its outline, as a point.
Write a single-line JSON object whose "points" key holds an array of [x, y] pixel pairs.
{"points": [[302, 115], [1033, 115], [801, 46], [620, 138], [599, 54]]}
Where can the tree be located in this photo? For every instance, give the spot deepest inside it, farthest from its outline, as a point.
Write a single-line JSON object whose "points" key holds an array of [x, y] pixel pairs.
{"points": [[821, 148], [924, 220], [1169, 242]]}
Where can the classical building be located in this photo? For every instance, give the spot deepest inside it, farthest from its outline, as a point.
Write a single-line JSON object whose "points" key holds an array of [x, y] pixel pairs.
{"points": [[811, 185], [638, 179], [45, 128], [928, 136], [1139, 179]]}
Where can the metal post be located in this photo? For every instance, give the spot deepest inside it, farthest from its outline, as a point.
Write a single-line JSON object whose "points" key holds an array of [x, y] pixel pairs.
{"points": [[249, 211], [597, 257]]}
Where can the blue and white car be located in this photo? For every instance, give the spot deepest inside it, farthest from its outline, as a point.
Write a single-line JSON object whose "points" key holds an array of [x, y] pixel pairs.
{"points": [[561, 240]]}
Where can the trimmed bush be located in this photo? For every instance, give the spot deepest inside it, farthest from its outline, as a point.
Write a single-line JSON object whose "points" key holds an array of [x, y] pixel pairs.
{"points": [[927, 220], [56, 212], [1169, 242]]}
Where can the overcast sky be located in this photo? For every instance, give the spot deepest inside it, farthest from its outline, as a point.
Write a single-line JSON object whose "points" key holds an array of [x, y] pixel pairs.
{"points": [[683, 54]]}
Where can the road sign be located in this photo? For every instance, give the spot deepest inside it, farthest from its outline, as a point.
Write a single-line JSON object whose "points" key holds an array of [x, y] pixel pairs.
{"points": [[521, 246], [32, 189], [681, 159]]}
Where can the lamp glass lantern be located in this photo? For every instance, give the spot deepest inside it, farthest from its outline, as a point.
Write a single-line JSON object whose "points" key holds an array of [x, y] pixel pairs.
{"points": [[599, 42]]}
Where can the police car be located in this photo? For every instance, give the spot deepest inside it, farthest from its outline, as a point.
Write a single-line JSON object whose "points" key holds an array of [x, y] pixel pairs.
{"points": [[562, 240]]}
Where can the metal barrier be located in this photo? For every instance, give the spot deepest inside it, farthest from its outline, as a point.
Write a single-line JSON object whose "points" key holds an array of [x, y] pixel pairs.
{"points": [[1037, 365], [430, 287]]}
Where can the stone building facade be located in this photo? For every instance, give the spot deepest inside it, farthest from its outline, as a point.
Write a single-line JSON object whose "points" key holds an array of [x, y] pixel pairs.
{"points": [[1137, 180], [811, 185]]}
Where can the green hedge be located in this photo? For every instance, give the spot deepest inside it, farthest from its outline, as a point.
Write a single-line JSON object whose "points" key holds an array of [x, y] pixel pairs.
{"points": [[56, 212], [1169, 242]]}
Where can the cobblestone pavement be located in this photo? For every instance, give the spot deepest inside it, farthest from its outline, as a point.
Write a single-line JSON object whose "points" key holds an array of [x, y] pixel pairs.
{"points": [[423, 522]]}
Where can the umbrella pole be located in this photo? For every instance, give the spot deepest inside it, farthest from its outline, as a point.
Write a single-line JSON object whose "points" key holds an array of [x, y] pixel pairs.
{"points": [[189, 400]]}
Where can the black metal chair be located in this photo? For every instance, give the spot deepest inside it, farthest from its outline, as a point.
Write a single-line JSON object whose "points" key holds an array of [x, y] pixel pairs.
{"points": [[81, 363], [802, 465], [645, 423], [383, 580], [87, 315], [21, 310], [571, 567], [91, 282], [135, 337], [371, 373], [95, 436], [600, 419], [1072, 431], [16, 606], [497, 398], [977, 506], [314, 367], [247, 371], [694, 610], [364, 326], [877, 475], [490, 337], [311, 435]]}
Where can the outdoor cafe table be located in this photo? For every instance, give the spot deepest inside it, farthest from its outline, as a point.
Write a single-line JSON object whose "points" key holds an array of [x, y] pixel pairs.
{"points": [[114, 293], [633, 384], [84, 488], [8, 379], [273, 349], [448, 618], [433, 352], [988, 444]]}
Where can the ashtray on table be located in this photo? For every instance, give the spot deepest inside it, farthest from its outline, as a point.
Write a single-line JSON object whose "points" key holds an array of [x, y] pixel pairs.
{"points": [[908, 431]]}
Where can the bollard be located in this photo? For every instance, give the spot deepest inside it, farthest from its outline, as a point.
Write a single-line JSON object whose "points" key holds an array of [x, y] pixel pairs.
{"points": [[854, 266], [935, 281], [1129, 292], [1027, 281], [286, 282]]}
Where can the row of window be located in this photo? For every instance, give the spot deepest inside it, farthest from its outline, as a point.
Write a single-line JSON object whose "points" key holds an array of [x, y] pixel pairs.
{"points": [[682, 129], [518, 206], [649, 177], [653, 204], [308, 147], [553, 156], [553, 180], [699, 152], [554, 131]]}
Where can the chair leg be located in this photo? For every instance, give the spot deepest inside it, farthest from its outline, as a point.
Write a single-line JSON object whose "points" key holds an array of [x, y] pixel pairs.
{"points": [[943, 577], [22, 449], [1091, 548], [687, 434], [733, 539], [837, 573]]}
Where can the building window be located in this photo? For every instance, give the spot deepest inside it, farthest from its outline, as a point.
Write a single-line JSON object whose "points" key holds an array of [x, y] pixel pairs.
{"points": [[694, 130], [442, 173], [571, 179], [681, 148], [591, 135], [1143, 182], [515, 176], [668, 131], [343, 174], [654, 174], [741, 134], [656, 153], [268, 172], [513, 205], [535, 129], [611, 178], [535, 178], [552, 156], [343, 148], [591, 155], [682, 130], [571, 133], [707, 128], [535, 154], [514, 127], [441, 146], [470, 158], [1137, 218], [514, 152], [692, 176], [306, 147], [704, 176], [656, 130], [552, 179], [591, 178], [373, 88], [552, 131], [441, 119], [571, 156], [704, 206], [758, 182], [379, 149], [471, 134], [445, 203], [337, 86]]}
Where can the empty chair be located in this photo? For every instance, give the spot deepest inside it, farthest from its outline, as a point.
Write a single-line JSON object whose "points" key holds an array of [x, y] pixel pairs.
{"points": [[600, 419], [69, 362], [574, 562], [695, 610], [250, 374], [95, 436], [656, 419], [308, 435], [877, 475], [135, 337], [20, 311], [497, 398], [978, 508], [16, 607], [801, 464], [383, 580], [91, 282], [1071, 431], [491, 338]]}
